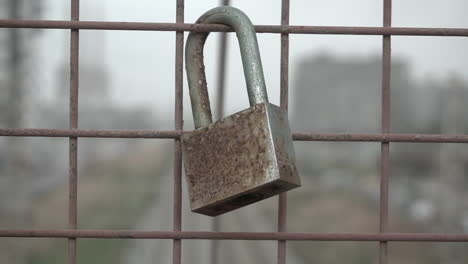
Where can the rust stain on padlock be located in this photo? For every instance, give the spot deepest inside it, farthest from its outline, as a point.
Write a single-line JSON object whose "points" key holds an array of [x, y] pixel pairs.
{"points": [[239, 160]]}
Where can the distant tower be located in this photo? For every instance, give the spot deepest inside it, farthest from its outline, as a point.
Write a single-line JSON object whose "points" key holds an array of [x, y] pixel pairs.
{"points": [[94, 79]]}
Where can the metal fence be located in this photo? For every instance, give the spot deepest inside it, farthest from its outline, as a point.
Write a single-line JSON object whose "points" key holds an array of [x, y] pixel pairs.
{"points": [[177, 234]]}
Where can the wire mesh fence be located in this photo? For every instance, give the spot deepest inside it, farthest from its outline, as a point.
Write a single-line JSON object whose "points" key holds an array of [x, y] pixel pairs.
{"points": [[385, 137]]}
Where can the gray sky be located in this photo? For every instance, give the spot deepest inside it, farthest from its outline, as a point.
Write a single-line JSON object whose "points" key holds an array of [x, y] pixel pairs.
{"points": [[142, 63]]}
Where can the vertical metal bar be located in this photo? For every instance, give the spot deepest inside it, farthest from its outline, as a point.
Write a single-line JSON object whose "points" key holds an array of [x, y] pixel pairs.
{"points": [[220, 100], [220, 84], [385, 146], [179, 122], [282, 200], [73, 119], [284, 73]]}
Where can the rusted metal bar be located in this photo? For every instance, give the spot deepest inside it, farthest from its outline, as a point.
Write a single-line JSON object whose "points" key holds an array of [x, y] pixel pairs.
{"points": [[284, 63], [37, 132], [73, 141], [299, 29], [385, 147], [221, 76], [178, 123], [219, 113], [134, 234], [284, 87], [221, 71], [414, 138], [174, 134]]}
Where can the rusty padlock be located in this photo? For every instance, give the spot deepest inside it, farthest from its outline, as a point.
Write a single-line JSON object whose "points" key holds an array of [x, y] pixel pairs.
{"points": [[245, 157]]}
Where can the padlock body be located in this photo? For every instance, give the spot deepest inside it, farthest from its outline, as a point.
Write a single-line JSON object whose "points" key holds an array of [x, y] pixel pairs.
{"points": [[241, 159]]}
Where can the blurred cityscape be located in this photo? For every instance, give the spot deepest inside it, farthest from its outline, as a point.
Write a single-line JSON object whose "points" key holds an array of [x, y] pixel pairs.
{"points": [[127, 183]]}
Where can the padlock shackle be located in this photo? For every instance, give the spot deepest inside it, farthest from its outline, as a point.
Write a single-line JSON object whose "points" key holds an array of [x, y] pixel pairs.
{"points": [[250, 55]]}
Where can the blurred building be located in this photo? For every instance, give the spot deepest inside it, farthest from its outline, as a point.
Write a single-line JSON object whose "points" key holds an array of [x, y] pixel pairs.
{"points": [[16, 58], [343, 95]]}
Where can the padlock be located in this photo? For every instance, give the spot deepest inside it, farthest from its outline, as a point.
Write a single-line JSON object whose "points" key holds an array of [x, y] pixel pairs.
{"points": [[245, 157]]}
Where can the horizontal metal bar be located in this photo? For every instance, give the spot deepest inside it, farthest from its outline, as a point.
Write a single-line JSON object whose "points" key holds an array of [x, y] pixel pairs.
{"points": [[415, 138], [37, 132], [151, 26], [131, 234], [173, 134]]}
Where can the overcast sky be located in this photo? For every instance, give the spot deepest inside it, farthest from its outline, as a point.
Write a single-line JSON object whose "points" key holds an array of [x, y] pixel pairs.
{"points": [[141, 64]]}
